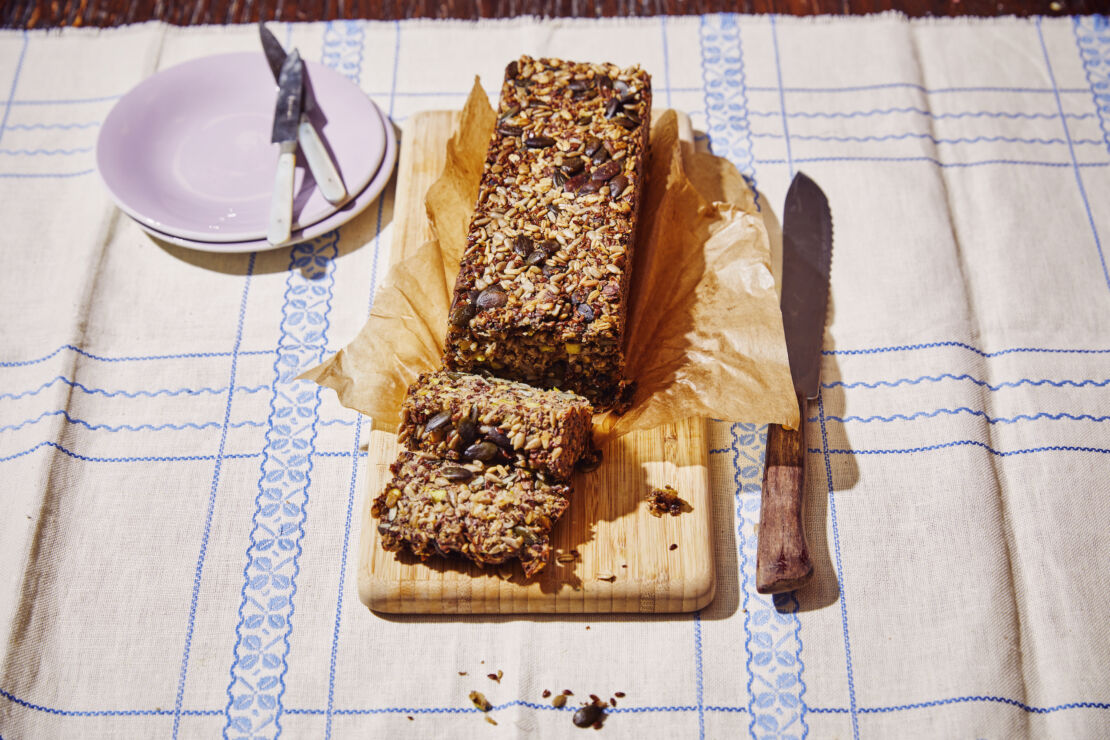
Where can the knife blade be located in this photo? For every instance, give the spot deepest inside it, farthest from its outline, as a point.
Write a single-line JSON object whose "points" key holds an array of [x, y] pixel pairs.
{"points": [[287, 117], [782, 553], [315, 153]]}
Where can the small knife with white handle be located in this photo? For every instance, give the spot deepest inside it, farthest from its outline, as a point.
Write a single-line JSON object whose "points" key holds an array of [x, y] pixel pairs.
{"points": [[287, 118], [782, 555], [315, 153]]}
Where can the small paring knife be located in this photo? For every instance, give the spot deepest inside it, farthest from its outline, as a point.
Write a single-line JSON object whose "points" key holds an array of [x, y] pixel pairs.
{"points": [[315, 153], [287, 117], [782, 554]]}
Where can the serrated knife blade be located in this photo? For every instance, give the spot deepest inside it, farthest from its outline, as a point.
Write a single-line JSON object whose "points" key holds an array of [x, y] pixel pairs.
{"points": [[782, 554], [806, 261]]}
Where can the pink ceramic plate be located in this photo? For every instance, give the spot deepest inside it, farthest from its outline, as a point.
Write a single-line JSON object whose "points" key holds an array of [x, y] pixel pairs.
{"points": [[364, 198], [187, 152]]}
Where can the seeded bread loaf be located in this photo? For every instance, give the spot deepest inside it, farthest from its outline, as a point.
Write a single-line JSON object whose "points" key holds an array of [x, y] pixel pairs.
{"points": [[487, 514], [464, 417], [542, 290]]}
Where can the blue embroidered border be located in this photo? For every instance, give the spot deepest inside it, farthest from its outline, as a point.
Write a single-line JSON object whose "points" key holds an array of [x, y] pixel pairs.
{"points": [[726, 97], [262, 634], [1092, 38], [771, 627], [265, 613]]}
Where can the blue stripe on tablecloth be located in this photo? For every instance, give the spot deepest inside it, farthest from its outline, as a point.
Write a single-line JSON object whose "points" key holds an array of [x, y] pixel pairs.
{"points": [[213, 488], [782, 96], [346, 453], [914, 86], [964, 376], [45, 152], [68, 101], [468, 709], [859, 351], [1015, 115], [15, 82], [134, 358], [149, 426], [349, 517], [938, 162], [927, 137], [51, 126], [50, 444], [772, 637], [824, 451], [958, 411], [959, 443], [120, 393], [699, 676], [152, 393]]}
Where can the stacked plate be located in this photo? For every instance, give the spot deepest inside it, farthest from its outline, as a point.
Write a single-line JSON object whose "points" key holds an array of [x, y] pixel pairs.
{"points": [[187, 153]]}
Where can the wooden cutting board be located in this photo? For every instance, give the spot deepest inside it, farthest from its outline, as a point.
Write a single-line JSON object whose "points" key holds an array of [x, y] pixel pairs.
{"points": [[625, 559]]}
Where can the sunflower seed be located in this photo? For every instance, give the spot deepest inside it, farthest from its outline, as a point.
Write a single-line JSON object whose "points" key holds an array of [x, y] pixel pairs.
{"points": [[480, 701]]}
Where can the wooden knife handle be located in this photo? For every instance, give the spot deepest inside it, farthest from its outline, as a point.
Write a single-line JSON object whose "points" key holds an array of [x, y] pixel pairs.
{"points": [[782, 555]]}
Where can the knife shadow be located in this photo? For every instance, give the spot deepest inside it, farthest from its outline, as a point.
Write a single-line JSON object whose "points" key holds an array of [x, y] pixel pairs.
{"points": [[829, 450]]}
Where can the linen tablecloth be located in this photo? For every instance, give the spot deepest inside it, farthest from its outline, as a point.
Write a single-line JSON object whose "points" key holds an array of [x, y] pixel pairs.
{"points": [[180, 516]]}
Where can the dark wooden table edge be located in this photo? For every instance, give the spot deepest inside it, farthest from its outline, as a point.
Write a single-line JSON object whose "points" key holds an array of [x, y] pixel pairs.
{"points": [[39, 14]]}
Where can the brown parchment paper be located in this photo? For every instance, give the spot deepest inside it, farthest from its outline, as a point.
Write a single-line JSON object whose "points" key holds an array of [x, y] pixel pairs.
{"points": [[704, 336]]}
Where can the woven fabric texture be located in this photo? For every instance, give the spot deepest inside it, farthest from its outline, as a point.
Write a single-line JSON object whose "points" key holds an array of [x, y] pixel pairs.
{"points": [[180, 526]]}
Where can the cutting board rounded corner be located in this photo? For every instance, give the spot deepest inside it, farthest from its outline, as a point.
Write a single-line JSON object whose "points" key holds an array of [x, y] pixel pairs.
{"points": [[703, 589]]}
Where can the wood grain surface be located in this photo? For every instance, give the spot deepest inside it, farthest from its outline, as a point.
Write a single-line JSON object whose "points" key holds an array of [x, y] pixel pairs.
{"points": [[782, 560], [607, 525], [54, 13]]}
